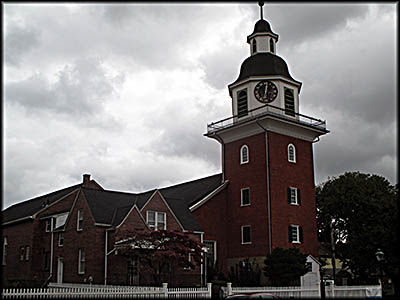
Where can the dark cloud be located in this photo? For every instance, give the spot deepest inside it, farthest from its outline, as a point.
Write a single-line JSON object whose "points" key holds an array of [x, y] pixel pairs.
{"points": [[300, 23], [79, 91]]}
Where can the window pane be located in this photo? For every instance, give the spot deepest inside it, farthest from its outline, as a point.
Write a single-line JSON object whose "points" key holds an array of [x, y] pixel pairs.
{"points": [[161, 217], [151, 217], [246, 238], [245, 196]]}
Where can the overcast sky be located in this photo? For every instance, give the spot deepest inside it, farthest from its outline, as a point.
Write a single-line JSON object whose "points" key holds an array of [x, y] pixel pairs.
{"points": [[124, 92]]}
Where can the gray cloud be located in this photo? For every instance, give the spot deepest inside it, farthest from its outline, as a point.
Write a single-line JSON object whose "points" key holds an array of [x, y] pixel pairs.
{"points": [[19, 41], [79, 91]]}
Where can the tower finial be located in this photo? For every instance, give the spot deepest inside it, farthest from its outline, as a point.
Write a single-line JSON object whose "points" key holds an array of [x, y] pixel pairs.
{"points": [[261, 3]]}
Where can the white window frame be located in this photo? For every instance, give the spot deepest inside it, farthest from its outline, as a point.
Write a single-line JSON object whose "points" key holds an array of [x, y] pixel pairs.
{"points": [[81, 261], [241, 197], [243, 242], [156, 213], [244, 160], [5, 246], [290, 159], [297, 234], [79, 220], [60, 239], [294, 200]]}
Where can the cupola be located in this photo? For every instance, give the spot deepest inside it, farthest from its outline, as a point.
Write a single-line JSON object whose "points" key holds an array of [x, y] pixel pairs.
{"points": [[262, 40]]}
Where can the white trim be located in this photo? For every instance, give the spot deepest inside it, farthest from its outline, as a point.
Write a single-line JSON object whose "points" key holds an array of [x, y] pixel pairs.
{"points": [[241, 197], [242, 161], [209, 196], [241, 230], [139, 213], [294, 153], [215, 248]]}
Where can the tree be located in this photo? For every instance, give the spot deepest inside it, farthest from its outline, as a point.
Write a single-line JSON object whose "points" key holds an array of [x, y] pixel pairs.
{"points": [[284, 267], [161, 252], [361, 211]]}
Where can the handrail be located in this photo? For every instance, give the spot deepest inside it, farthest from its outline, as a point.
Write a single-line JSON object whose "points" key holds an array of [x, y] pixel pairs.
{"points": [[279, 112]]}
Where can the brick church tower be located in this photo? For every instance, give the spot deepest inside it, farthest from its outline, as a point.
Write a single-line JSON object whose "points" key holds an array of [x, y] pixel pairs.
{"points": [[267, 156]]}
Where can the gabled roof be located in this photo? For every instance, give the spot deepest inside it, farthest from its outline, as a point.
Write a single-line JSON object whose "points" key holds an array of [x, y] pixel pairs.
{"points": [[30, 207], [111, 207]]}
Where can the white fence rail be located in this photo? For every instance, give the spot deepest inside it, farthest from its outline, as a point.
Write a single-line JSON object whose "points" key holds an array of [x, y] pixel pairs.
{"points": [[79, 291], [302, 292]]}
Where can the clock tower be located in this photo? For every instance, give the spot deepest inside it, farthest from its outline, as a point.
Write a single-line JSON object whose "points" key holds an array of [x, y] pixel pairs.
{"points": [[267, 157]]}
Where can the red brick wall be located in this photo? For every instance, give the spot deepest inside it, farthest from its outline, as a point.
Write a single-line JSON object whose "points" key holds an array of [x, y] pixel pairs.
{"points": [[212, 218], [18, 235], [252, 175], [284, 174]]}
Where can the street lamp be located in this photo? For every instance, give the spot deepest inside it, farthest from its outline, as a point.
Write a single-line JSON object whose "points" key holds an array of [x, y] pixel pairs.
{"points": [[380, 257]]}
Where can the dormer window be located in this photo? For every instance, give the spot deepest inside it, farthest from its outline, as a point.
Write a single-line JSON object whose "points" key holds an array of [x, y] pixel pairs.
{"points": [[271, 46], [291, 153], [244, 154], [289, 102], [254, 44], [157, 220], [242, 103]]}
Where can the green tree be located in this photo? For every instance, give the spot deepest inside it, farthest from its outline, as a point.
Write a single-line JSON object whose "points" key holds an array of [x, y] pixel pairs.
{"points": [[284, 267], [362, 211]]}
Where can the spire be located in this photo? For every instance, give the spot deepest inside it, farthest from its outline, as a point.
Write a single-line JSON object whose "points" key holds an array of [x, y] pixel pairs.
{"points": [[261, 4]]}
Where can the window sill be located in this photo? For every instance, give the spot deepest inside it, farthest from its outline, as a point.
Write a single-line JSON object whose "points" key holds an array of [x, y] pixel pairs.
{"points": [[296, 242], [248, 243], [244, 205]]}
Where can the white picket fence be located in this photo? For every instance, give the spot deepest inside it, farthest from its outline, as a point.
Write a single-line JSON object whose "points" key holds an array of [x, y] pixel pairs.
{"points": [[98, 291], [332, 291]]}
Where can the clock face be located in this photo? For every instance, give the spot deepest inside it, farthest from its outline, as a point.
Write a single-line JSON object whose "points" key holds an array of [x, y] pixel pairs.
{"points": [[265, 91]]}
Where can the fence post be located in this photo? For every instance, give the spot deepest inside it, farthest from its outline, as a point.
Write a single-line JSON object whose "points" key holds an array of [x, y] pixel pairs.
{"points": [[165, 288], [229, 286], [209, 289]]}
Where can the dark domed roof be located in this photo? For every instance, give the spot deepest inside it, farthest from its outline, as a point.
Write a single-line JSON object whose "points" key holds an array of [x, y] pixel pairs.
{"points": [[262, 26], [263, 64]]}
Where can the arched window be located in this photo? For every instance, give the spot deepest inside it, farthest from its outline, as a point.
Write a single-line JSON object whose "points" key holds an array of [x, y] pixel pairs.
{"points": [[254, 46], [291, 153], [244, 154], [242, 103], [271, 45]]}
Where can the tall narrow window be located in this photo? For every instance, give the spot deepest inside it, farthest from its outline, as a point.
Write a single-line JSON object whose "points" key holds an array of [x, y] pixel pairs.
{"points": [[27, 252], [291, 153], [81, 261], [254, 46], [271, 46], [21, 253], [245, 197], [242, 103], [289, 102], [157, 220], [244, 154], [246, 234], [293, 196], [61, 239], [79, 222], [5, 246], [295, 233], [48, 225]]}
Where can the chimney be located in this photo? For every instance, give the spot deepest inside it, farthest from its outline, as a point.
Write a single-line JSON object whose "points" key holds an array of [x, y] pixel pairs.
{"points": [[86, 180]]}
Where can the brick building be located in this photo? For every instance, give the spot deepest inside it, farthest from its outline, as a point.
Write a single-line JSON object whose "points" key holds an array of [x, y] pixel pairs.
{"points": [[264, 197]]}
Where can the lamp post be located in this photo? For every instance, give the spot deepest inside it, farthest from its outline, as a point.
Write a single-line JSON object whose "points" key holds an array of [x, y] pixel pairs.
{"points": [[380, 257]]}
